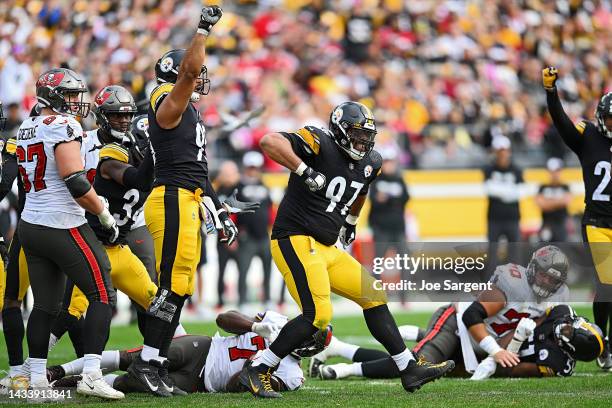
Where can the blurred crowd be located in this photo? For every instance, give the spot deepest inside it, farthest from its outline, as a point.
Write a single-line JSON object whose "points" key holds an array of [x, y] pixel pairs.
{"points": [[443, 77]]}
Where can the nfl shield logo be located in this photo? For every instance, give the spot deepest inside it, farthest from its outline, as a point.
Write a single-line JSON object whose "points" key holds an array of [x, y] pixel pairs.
{"points": [[367, 171]]}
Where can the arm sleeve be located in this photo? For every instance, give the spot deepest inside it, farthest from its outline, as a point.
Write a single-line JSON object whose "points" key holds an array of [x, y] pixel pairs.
{"points": [[210, 192], [140, 178], [570, 133], [9, 173]]}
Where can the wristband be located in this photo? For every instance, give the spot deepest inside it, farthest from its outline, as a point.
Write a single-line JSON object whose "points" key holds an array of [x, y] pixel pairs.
{"points": [[301, 169], [352, 219], [203, 32], [489, 345]]}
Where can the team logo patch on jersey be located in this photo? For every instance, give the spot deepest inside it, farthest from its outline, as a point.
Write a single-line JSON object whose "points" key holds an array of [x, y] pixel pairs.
{"points": [[367, 171], [166, 64], [543, 354]]}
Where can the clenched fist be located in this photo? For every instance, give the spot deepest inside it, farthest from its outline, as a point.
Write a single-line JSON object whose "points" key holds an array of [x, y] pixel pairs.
{"points": [[209, 16], [549, 78]]}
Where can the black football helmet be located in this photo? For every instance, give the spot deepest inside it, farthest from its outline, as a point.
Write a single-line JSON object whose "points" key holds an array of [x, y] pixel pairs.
{"points": [[167, 67], [603, 111], [315, 344], [54, 85], [140, 131], [547, 270], [2, 118], [115, 100], [354, 129], [579, 338]]}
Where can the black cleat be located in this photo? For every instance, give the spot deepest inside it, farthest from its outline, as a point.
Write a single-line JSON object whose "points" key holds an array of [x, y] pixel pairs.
{"points": [[54, 373], [419, 373], [147, 374], [66, 382], [167, 382], [257, 380]]}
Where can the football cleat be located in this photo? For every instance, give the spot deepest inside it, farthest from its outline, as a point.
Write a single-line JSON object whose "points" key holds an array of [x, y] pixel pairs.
{"points": [[70, 381], [41, 393], [419, 373], [604, 361], [5, 383], [93, 384], [313, 366], [327, 373], [148, 375], [167, 382], [257, 379], [54, 373], [20, 382]]}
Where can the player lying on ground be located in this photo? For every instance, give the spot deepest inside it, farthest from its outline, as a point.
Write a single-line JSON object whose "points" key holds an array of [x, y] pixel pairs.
{"points": [[209, 364], [558, 341]]}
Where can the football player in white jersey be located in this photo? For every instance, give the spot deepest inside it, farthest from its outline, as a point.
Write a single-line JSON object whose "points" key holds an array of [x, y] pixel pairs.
{"points": [[211, 364], [54, 232]]}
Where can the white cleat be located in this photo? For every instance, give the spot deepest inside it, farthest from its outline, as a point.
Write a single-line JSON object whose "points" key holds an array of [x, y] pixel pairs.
{"points": [[313, 367], [41, 391], [5, 384], [93, 384], [335, 371]]}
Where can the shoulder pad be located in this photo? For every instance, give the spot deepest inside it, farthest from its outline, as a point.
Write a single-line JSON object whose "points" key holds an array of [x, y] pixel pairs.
{"points": [[375, 159], [114, 151], [158, 94], [310, 136], [581, 126], [512, 281], [62, 129], [10, 146]]}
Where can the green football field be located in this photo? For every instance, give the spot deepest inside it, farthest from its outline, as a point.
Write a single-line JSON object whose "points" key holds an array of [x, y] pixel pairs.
{"points": [[588, 387]]}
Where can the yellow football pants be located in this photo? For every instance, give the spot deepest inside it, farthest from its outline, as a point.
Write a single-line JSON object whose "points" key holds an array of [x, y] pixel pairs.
{"points": [[312, 271], [601, 251], [172, 215], [128, 274]]}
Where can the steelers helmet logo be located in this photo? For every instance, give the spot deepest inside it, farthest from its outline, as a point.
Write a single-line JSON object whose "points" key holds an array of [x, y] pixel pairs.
{"points": [[367, 171], [143, 124], [337, 115], [166, 64]]}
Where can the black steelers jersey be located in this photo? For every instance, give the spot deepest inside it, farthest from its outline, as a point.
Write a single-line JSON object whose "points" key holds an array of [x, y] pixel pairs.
{"points": [[180, 153], [321, 214], [594, 151], [542, 349], [124, 203]]}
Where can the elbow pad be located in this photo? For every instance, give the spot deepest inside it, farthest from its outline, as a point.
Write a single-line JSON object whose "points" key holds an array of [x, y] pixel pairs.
{"points": [[77, 184], [474, 314]]}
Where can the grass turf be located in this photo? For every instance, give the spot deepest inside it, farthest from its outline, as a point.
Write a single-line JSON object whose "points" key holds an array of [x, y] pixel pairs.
{"points": [[588, 387]]}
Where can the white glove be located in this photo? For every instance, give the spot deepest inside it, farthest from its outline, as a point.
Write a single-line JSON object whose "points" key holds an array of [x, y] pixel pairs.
{"points": [[266, 330], [524, 329], [108, 221], [485, 369]]}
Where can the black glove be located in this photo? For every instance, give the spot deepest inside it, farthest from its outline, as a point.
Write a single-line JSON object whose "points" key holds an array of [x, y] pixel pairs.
{"points": [[3, 249], [209, 16], [347, 234], [313, 179], [230, 231], [235, 206]]}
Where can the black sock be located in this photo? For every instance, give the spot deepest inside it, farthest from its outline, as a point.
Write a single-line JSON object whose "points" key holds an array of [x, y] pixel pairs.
{"points": [[384, 329], [364, 354], [157, 331], [163, 351], [12, 323], [60, 327], [38, 332], [76, 330], [381, 368], [292, 335], [141, 318], [600, 315], [97, 326]]}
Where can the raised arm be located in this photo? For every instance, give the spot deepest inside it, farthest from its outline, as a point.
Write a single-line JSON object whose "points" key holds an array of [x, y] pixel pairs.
{"points": [[171, 109], [569, 132]]}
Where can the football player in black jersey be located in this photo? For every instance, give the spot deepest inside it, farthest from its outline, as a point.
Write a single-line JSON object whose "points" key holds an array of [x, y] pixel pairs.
{"points": [[331, 173], [592, 143], [173, 209]]}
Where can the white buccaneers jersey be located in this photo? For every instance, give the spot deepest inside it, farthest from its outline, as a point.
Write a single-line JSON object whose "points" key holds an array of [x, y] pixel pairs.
{"points": [[521, 300], [90, 150], [227, 356], [48, 201]]}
